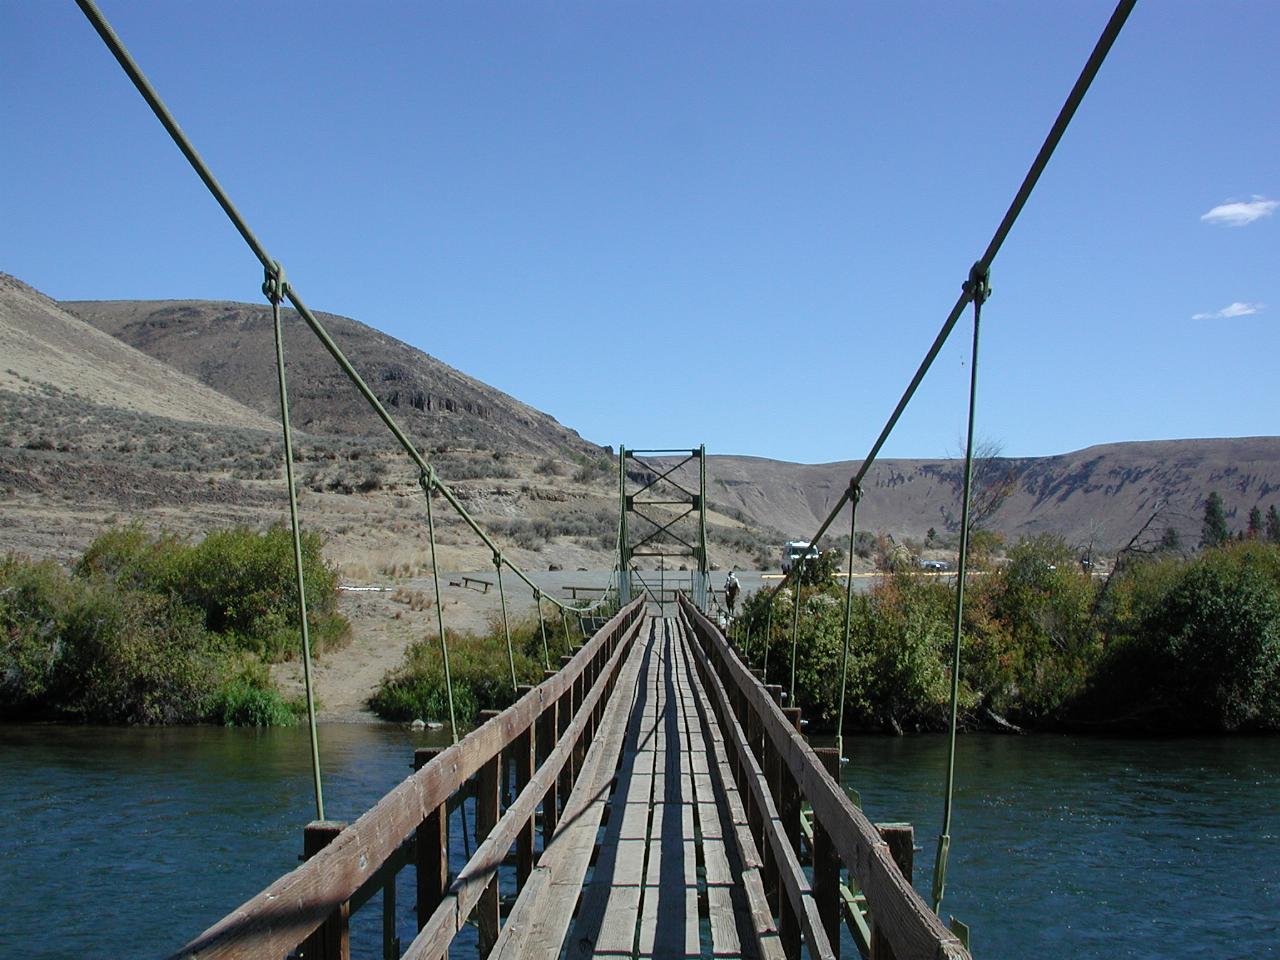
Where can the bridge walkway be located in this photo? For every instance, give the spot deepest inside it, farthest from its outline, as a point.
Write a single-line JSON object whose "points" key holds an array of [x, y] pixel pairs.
{"points": [[655, 834], [669, 789]]}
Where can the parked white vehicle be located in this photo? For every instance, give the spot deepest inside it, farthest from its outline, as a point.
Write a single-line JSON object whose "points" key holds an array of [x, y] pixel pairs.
{"points": [[794, 550]]}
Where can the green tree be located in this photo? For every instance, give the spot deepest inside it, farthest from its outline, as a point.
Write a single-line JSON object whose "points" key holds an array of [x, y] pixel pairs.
{"points": [[1170, 540], [1213, 530], [1255, 523], [1273, 525]]}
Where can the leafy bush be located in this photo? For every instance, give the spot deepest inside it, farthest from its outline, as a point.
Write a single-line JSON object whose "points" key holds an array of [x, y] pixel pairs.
{"points": [[34, 598], [249, 698], [1195, 645], [241, 582], [1173, 645], [151, 630], [479, 667]]}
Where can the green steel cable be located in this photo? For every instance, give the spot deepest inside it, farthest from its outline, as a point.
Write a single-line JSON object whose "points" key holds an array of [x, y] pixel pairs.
{"points": [[180, 139], [979, 289], [1090, 70], [848, 621], [542, 628], [506, 626], [428, 481], [795, 633], [768, 638], [274, 287]]}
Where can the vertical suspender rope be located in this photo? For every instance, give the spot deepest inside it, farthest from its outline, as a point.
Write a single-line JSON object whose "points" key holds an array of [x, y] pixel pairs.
{"points": [[506, 626], [856, 495], [978, 288], [768, 638], [274, 287], [428, 482], [795, 633], [542, 628], [564, 622]]}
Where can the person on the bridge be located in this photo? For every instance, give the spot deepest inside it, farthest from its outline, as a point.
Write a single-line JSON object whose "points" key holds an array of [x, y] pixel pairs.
{"points": [[731, 591]]}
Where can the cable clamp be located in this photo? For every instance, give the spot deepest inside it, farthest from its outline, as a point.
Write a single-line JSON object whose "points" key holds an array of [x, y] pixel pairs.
{"points": [[274, 284], [978, 286], [497, 560], [855, 491], [427, 480]]}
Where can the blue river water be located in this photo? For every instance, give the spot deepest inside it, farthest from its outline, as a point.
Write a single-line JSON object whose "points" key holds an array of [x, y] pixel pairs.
{"points": [[128, 842]]}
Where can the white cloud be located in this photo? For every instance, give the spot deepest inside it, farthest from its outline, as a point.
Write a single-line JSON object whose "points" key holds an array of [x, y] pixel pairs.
{"points": [[1237, 213], [1236, 309]]}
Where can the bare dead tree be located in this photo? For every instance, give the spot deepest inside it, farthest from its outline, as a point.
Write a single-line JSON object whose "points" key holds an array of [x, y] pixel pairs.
{"points": [[995, 477], [1144, 543]]}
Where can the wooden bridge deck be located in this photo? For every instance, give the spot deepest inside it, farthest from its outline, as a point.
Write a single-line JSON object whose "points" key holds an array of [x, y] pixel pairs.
{"points": [[657, 809], [682, 815]]}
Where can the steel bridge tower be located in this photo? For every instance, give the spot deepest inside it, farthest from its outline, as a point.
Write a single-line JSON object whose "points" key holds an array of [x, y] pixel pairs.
{"points": [[670, 523]]}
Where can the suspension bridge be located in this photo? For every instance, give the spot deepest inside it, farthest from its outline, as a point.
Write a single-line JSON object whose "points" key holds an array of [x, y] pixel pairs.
{"points": [[653, 796]]}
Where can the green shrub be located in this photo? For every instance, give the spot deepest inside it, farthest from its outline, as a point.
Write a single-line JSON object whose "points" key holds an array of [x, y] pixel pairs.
{"points": [[479, 667], [34, 598], [241, 582], [151, 630], [248, 698], [1195, 645], [134, 657]]}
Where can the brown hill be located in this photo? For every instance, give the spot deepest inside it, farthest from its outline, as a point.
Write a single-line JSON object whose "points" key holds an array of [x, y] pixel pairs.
{"points": [[230, 347], [1101, 494], [44, 348]]}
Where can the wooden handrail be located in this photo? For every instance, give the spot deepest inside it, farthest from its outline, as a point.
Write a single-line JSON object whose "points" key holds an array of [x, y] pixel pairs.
{"points": [[907, 922], [275, 921]]}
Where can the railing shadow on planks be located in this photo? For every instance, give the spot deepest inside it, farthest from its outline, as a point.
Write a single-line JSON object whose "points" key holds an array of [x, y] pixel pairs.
{"points": [[540, 740], [777, 772]]}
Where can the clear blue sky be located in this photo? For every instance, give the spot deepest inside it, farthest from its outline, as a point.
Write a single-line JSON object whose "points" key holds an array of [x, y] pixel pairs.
{"points": [[664, 224]]}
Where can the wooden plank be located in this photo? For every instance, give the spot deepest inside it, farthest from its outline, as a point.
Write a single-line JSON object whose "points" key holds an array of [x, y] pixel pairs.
{"points": [[466, 889], [542, 914], [522, 749], [826, 864], [487, 791], [669, 923], [332, 941], [792, 878], [723, 920], [747, 895], [432, 864], [908, 923], [901, 840]]}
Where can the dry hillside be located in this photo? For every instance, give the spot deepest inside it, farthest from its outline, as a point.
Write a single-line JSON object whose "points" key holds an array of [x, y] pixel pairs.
{"points": [[44, 348], [230, 347]]}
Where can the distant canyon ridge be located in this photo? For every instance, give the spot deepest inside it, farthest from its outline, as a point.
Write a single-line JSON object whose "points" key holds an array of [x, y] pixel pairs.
{"points": [[166, 410]]}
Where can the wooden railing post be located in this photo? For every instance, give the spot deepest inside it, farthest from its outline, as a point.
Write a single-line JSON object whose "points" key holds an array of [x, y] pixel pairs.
{"points": [[488, 788], [567, 707], [547, 738], [522, 750], [771, 767], [901, 840], [826, 864], [787, 798], [332, 940], [432, 848], [577, 695]]}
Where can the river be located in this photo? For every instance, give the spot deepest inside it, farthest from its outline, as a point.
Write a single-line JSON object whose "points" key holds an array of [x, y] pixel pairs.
{"points": [[127, 842]]}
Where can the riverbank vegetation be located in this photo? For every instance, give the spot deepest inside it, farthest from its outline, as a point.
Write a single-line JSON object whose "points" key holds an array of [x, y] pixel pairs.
{"points": [[154, 629], [1168, 644], [479, 667]]}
